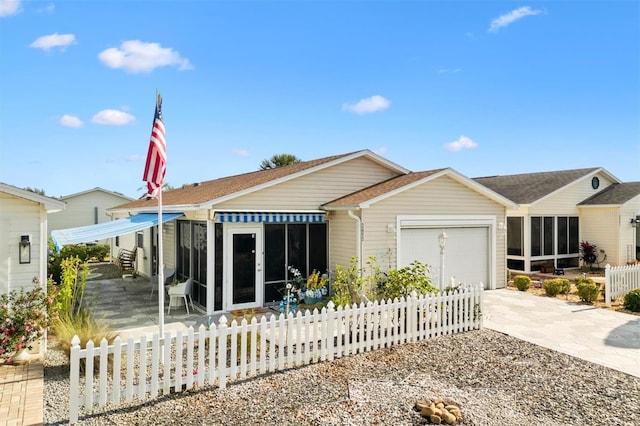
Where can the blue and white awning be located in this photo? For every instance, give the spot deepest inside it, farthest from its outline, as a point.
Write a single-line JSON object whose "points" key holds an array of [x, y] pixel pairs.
{"points": [[248, 217], [101, 231]]}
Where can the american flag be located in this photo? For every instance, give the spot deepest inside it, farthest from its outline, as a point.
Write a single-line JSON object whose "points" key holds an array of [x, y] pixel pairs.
{"points": [[156, 165]]}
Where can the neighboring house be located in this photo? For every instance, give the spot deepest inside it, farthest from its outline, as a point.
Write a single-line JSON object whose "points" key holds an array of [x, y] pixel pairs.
{"points": [[86, 208], [23, 237], [236, 236], [560, 209]]}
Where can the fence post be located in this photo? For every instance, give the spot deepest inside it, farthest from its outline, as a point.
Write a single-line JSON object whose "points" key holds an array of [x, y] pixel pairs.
{"points": [[74, 378], [607, 284]]}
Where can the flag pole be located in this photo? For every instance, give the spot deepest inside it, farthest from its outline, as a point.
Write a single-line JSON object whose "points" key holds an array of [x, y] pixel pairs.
{"points": [[160, 269]]}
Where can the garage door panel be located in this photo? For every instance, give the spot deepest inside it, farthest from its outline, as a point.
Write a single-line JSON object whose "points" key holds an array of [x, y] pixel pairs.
{"points": [[466, 251]]}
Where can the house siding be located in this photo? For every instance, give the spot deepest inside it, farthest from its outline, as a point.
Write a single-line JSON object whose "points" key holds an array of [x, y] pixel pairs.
{"points": [[80, 210], [308, 192], [565, 202], [444, 196], [20, 217], [342, 239], [600, 226]]}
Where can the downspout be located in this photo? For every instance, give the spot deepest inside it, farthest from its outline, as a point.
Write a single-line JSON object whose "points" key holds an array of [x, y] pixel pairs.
{"points": [[358, 238]]}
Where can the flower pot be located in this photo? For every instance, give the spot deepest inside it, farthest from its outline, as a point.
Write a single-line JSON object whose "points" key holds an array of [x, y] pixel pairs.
{"points": [[21, 357]]}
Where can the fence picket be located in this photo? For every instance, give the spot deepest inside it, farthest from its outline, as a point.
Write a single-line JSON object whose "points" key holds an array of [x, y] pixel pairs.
{"points": [[283, 343], [620, 280]]}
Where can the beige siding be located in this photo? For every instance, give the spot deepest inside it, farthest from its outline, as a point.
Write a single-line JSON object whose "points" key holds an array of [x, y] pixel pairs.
{"points": [[444, 196], [310, 191], [565, 201], [20, 217], [600, 226], [342, 239]]}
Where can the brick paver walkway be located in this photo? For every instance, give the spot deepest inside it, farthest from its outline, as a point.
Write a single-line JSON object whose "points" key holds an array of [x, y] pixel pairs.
{"points": [[21, 394]]}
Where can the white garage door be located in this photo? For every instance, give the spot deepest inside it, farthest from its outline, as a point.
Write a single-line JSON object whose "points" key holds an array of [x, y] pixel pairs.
{"points": [[466, 255]]}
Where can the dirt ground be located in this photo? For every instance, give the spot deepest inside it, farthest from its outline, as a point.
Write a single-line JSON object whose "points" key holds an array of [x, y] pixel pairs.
{"points": [[536, 288]]}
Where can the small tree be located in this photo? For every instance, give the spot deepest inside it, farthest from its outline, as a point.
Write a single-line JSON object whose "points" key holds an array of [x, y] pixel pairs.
{"points": [[279, 160]]}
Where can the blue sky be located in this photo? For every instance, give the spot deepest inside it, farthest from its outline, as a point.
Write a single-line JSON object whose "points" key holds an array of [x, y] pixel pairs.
{"points": [[483, 87]]}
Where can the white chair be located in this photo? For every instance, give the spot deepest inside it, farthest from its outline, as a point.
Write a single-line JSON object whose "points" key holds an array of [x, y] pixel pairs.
{"points": [[180, 291], [168, 276]]}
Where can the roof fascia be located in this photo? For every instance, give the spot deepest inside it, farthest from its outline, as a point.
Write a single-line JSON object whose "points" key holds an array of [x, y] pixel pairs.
{"points": [[456, 176], [50, 204], [585, 177], [354, 155], [96, 189]]}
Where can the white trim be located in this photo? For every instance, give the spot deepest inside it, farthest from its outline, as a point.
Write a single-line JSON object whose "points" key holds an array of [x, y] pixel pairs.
{"points": [[231, 228], [453, 221], [50, 204]]}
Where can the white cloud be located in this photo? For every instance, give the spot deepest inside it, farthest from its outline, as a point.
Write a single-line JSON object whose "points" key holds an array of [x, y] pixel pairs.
{"points": [[9, 7], [511, 17], [463, 142], [449, 70], [54, 40], [136, 157], [368, 105], [137, 56], [112, 117], [71, 121], [241, 152], [46, 9], [381, 150]]}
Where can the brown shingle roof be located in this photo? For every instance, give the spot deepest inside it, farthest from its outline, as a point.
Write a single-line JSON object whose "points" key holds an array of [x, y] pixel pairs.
{"points": [[529, 187], [616, 194], [379, 189], [198, 193]]}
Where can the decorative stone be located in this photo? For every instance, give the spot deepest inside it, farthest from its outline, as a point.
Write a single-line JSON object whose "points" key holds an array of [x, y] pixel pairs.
{"points": [[435, 419]]}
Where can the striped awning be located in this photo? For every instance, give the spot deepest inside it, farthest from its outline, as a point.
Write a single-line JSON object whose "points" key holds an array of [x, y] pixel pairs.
{"points": [[250, 217]]}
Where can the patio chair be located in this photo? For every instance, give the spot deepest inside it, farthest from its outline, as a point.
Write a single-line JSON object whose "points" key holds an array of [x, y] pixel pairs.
{"points": [[180, 291], [168, 277], [126, 260]]}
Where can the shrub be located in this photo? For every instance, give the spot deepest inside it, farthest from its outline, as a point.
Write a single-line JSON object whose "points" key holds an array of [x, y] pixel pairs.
{"points": [[552, 287], [404, 281], [522, 282], [632, 300], [23, 319], [588, 291], [579, 279]]}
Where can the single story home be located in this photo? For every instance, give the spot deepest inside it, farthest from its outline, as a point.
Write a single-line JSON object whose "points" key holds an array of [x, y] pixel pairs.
{"points": [[560, 209], [236, 236], [23, 237], [86, 208]]}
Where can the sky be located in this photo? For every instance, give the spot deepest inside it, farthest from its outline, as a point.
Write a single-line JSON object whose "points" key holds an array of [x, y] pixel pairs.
{"points": [[484, 87]]}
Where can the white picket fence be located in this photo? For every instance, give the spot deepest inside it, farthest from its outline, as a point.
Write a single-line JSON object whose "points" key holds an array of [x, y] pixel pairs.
{"points": [[144, 369], [620, 280]]}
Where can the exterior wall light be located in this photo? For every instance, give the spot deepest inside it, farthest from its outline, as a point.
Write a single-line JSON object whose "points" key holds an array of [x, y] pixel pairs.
{"points": [[24, 249], [634, 222]]}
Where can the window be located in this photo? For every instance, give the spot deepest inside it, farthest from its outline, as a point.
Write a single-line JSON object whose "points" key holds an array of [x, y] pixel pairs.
{"points": [[568, 235], [542, 235], [303, 246], [515, 235], [140, 239]]}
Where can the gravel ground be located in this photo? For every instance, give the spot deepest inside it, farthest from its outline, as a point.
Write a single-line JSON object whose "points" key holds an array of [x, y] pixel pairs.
{"points": [[495, 379]]}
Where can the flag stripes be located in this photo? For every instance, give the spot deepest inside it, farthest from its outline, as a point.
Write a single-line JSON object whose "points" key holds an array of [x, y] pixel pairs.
{"points": [[156, 165]]}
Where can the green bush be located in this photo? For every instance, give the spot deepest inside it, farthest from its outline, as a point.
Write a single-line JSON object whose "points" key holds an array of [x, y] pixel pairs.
{"points": [[97, 253], [556, 286], [588, 291], [632, 300], [522, 282], [580, 279], [404, 281]]}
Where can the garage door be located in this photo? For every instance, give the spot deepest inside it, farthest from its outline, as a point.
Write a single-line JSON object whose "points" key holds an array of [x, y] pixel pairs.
{"points": [[466, 252]]}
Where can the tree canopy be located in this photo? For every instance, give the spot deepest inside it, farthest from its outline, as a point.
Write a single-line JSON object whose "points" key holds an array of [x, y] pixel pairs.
{"points": [[279, 160]]}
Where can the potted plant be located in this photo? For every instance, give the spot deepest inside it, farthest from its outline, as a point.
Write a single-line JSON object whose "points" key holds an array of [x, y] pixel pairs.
{"points": [[316, 287]]}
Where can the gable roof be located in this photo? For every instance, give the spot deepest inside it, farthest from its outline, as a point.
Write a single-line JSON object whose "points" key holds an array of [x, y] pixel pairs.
{"points": [[96, 189], [528, 188], [204, 194], [50, 204], [615, 194], [366, 197]]}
